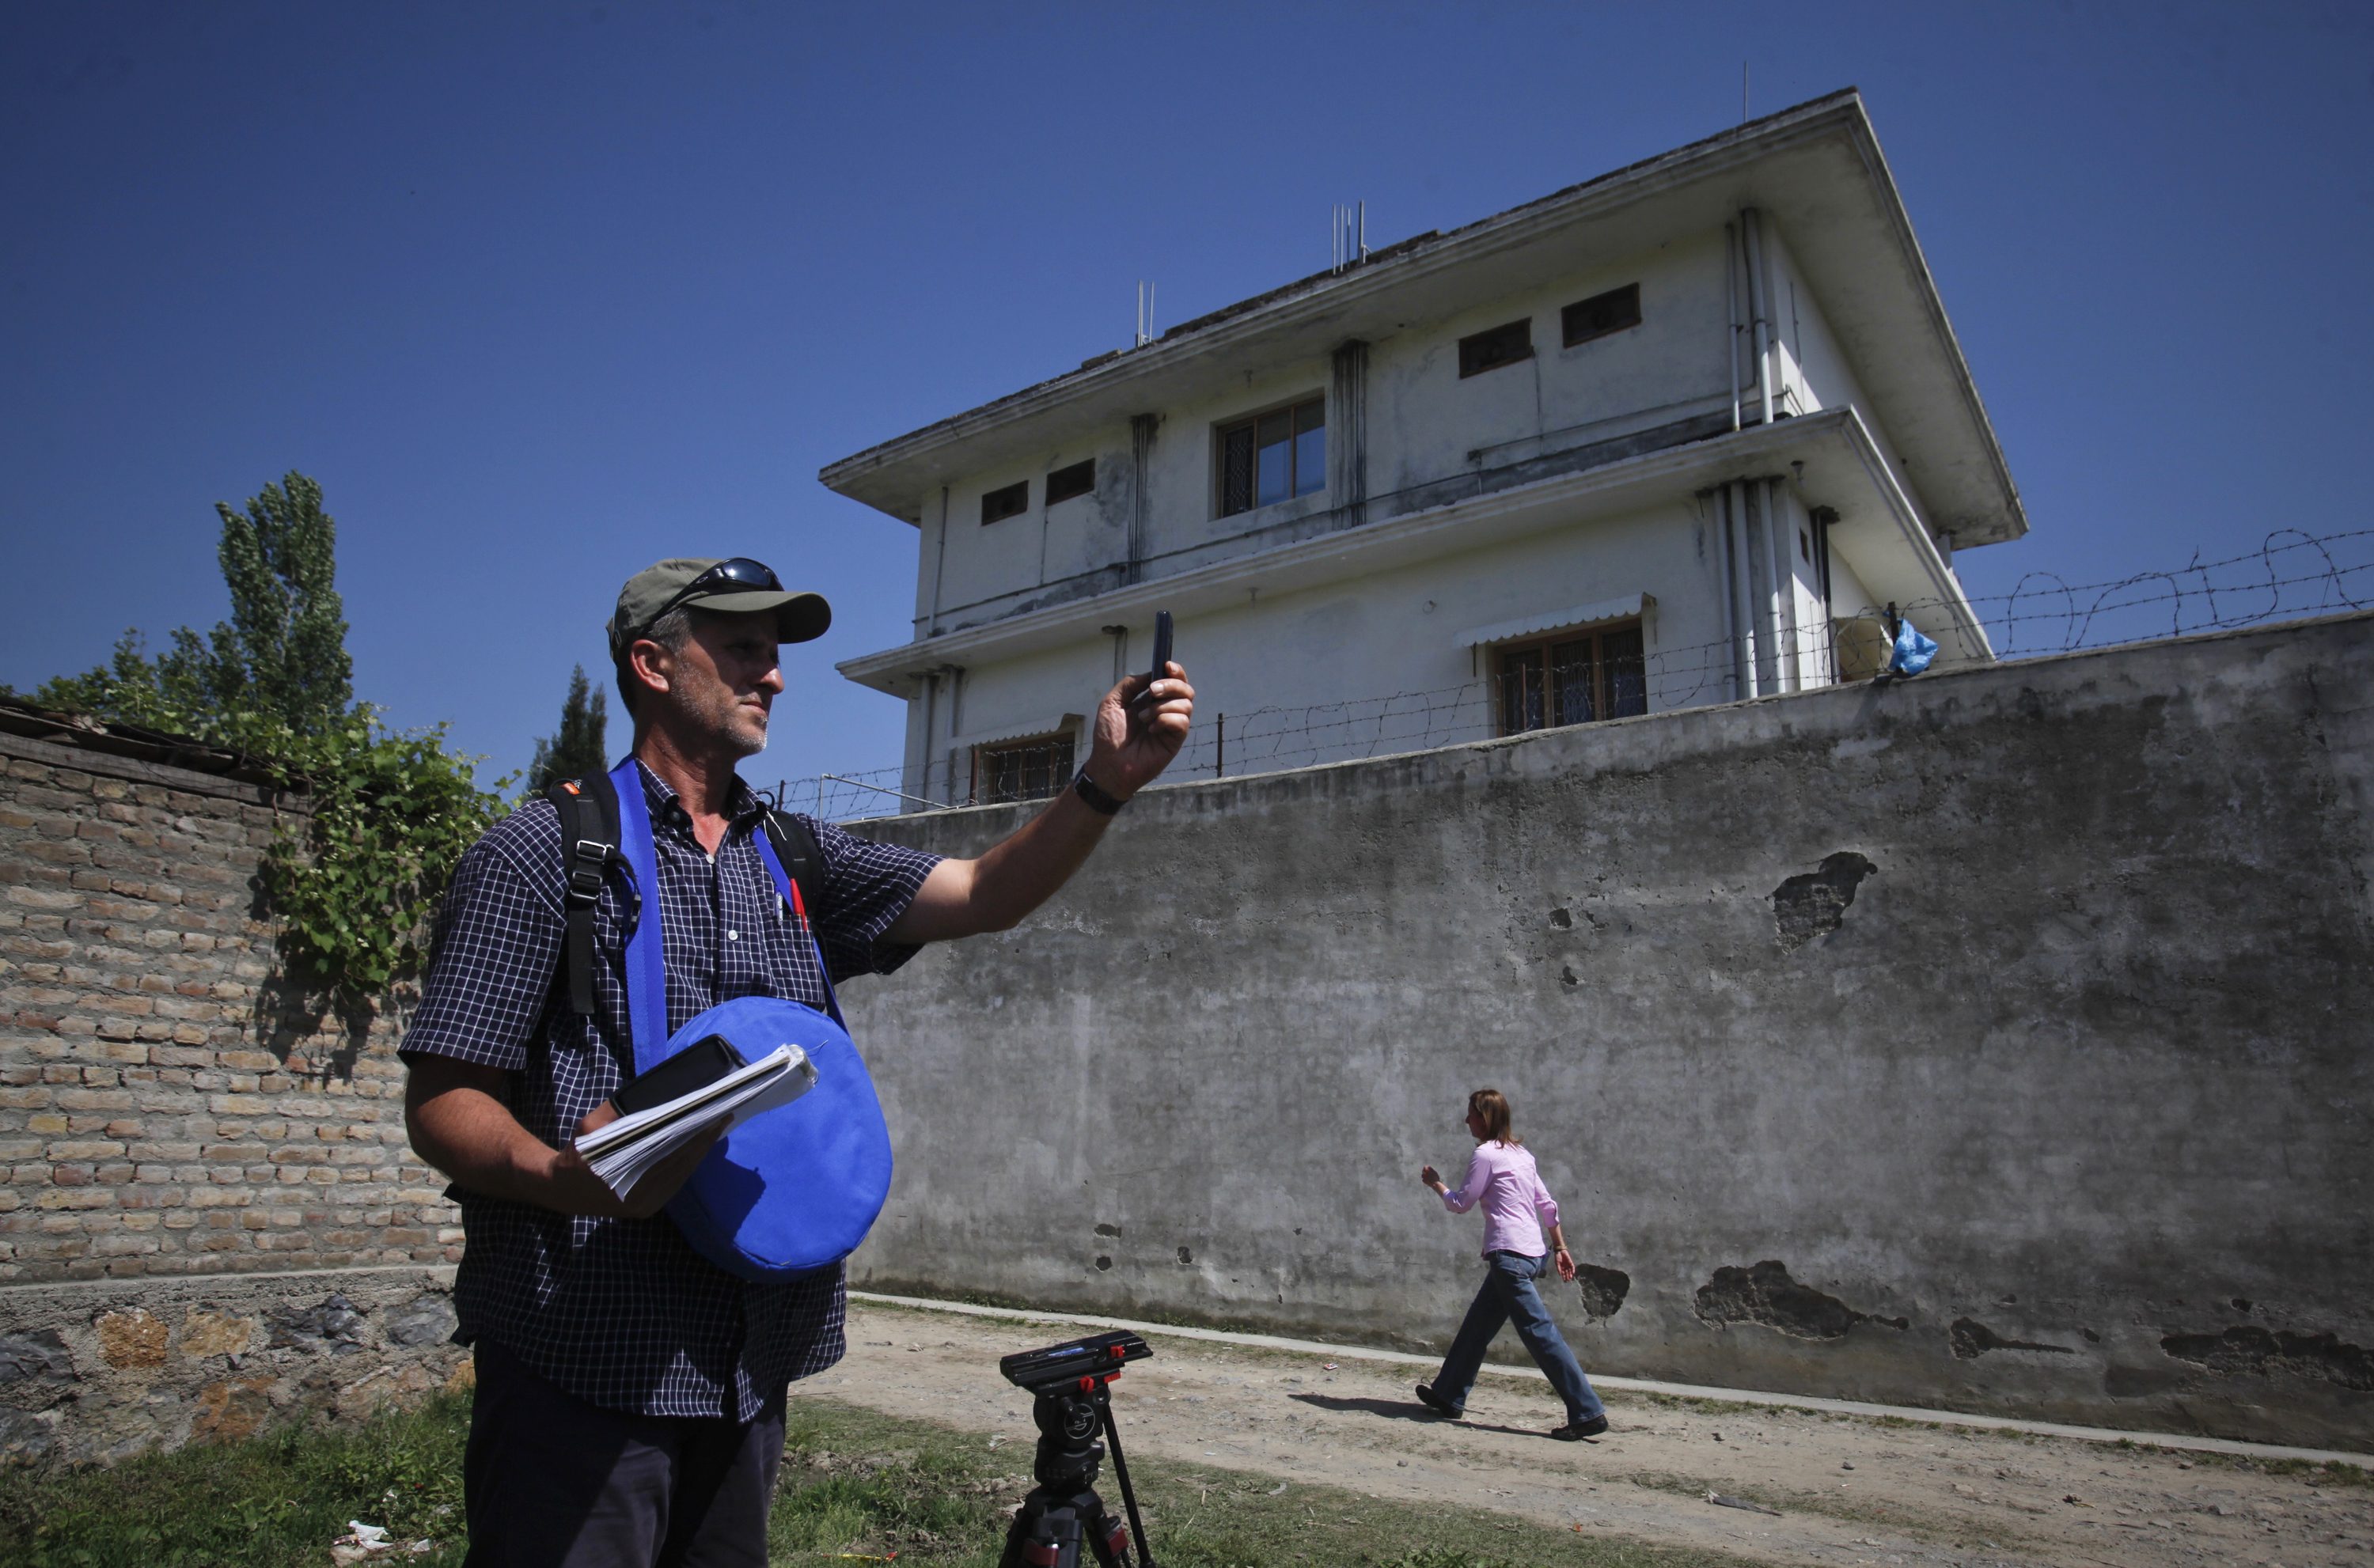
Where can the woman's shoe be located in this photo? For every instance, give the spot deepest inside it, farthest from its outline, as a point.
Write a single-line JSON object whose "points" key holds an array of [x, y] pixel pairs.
{"points": [[1442, 1407], [1576, 1430]]}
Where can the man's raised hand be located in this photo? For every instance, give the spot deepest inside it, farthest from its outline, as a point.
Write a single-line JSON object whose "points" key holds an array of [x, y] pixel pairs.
{"points": [[1140, 726]]}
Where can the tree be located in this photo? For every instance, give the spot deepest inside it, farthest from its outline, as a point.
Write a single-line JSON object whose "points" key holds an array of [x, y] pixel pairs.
{"points": [[355, 879], [276, 671], [577, 750], [285, 650]]}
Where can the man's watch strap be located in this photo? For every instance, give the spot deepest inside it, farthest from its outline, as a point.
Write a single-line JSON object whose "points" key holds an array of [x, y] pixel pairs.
{"points": [[1099, 802]]}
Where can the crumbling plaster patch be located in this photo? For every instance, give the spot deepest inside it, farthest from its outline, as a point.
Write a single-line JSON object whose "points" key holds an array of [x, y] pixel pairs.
{"points": [[1816, 903], [1766, 1295]]}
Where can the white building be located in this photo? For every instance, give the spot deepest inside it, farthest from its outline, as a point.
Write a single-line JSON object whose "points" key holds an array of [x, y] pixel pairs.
{"points": [[1652, 441]]}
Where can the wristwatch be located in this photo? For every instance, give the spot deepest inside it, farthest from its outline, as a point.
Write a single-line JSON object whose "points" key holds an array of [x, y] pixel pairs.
{"points": [[1099, 802]]}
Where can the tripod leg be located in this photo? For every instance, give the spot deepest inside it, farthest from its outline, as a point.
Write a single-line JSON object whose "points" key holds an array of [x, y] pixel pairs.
{"points": [[1045, 1534], [1120, 1473], [1106, 1537]]}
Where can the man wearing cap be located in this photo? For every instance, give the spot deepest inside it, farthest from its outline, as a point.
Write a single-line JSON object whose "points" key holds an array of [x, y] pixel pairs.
{"points": [[630, 1404]]}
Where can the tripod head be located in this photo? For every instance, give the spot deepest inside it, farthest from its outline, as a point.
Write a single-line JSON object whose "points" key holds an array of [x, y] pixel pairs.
{"points": [[1075, 1362], [1070, 1404], [1068, 1423]]}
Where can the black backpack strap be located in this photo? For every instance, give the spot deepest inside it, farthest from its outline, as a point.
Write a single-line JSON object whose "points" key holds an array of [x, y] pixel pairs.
{"points": [[589, 844], [795, 846]]}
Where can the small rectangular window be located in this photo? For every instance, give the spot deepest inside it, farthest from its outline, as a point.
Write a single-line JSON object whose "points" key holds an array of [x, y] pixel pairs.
{"points": [[1066, 483], [1021, 770], [1571, 679], [1602, 314], [1013, 500], [1491, 349], [1274, 457]]}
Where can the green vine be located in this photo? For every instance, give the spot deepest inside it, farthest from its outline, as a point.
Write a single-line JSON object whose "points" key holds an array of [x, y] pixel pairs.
{"points": [[356, 883]]}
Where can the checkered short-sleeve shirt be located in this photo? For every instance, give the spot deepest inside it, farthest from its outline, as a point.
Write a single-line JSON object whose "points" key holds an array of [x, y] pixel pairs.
{"points": [[623, 1313]]}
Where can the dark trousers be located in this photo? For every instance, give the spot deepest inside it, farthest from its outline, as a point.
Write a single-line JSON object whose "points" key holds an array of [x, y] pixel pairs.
{"points": [[551, 1482], [1508, 1297]]}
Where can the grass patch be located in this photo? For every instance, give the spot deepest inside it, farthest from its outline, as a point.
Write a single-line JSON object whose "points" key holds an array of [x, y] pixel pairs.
{"points": [[2316, 1472], [279, 1498], [852, 1481]]}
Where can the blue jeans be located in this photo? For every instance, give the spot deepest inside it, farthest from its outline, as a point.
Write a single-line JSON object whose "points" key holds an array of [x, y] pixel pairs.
{"points": [[1507, 1295]]}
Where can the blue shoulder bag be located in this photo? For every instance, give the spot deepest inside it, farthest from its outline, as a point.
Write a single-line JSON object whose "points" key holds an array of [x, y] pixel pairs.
{"points": [[792, 1190]]}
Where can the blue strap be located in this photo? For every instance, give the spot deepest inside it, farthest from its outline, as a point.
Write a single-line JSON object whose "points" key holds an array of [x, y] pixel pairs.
{"points": [[646, 954], [791, 901]]}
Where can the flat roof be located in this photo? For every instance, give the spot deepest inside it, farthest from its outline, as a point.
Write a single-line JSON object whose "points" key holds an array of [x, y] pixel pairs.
{"points": [[1816, 169]]}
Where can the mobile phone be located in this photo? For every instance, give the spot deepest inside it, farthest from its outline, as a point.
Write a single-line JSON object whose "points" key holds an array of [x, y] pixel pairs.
{"points": [[1144, 700], [698, 1065], [1161, 645]]}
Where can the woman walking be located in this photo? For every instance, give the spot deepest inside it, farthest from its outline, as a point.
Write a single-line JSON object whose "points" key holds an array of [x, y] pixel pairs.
{"points": [[1517, 1208]]}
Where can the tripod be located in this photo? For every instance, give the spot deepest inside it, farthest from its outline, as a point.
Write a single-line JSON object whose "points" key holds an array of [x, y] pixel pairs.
{"points": [[1064, 1511]]}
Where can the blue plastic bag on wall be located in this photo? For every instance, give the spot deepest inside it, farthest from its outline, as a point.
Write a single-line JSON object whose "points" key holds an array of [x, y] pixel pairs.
{"points": [[1913, 651]]}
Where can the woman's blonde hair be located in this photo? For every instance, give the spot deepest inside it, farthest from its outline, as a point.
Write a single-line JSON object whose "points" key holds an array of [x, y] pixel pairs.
{"points": [[1493, 1107]]}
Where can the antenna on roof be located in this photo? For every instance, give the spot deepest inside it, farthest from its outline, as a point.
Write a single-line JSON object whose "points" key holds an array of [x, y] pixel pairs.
{"points": [[1347, 235], [1144, 313], [1743, 92]]}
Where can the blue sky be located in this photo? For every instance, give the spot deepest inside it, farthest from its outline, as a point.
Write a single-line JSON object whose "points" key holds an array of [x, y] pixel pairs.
{"points": [[540, 294]]}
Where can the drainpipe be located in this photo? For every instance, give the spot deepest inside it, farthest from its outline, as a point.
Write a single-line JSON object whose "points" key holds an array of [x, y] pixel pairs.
{"points": [[1736, 540], [1141, 458], [1788, 674], [1764, 574], [1720, 505], [1730, 313], [1822, 519], [1758, 306], [939, 567], [931, 684]]}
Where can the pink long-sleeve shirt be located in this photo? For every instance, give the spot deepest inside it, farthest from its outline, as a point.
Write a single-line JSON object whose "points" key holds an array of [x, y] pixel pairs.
{"points": [[1517, 1207]]}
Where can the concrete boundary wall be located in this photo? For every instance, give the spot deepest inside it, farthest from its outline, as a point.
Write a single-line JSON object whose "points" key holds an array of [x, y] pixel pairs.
{"points": [[1995, 1042]]}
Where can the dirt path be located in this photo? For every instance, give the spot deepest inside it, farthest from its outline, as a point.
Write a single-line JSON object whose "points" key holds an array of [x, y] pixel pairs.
{"points": [[1848, 1489]]}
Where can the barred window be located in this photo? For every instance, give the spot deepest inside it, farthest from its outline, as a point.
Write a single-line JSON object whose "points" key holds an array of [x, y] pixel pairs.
{"points": [[1274, 457], [1571, 678], [1495, 346], [1602, 314], [1030, 769], [1012, 501], [1066, 483]]}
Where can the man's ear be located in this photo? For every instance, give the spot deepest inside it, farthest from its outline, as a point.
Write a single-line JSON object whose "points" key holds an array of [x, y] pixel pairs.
{"points": [[652, 663]]}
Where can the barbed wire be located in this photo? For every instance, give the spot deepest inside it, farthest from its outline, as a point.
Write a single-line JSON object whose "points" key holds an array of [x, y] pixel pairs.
{"points": [[2291, 574]]}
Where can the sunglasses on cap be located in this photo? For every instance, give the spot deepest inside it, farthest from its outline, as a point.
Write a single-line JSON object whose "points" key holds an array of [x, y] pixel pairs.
{"points": [[735, 571]]}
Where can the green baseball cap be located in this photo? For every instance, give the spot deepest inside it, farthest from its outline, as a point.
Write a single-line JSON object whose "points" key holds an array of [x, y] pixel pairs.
{"points": [[731, 584]]}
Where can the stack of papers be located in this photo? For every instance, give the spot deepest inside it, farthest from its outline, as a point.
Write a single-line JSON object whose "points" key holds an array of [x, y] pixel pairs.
{"points": [[623, 1152]]}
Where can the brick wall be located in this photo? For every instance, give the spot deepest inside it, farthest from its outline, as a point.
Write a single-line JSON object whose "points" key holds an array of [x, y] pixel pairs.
{"points": [[168, 1104]]}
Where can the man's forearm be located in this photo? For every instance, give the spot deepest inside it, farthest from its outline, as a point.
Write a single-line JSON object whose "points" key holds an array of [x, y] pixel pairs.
{"points": [[1131, 748], [459, 1124], [1026, 868], [996, 892], [474, 1138]]}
